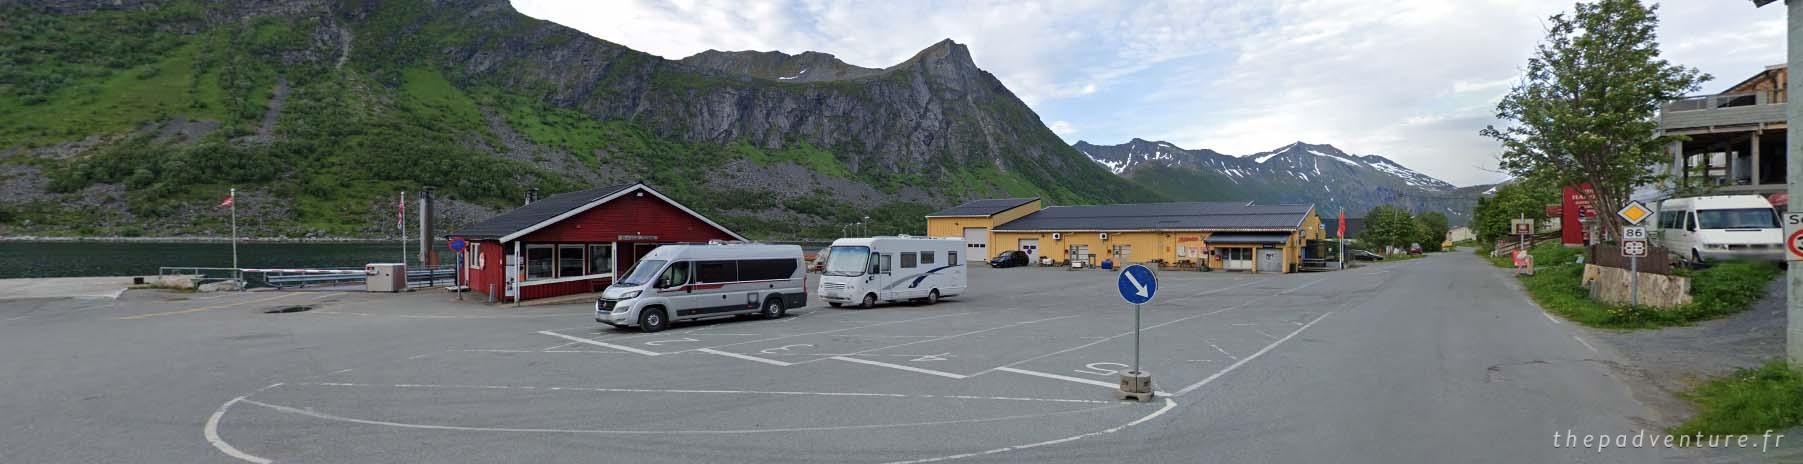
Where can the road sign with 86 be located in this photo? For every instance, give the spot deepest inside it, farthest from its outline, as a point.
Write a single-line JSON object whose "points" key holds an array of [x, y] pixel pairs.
{"points": [[1633, 233], [1633, 248]]}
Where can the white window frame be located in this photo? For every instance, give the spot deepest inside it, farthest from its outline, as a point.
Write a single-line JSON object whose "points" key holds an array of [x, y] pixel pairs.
{"points": [[526, 261]]}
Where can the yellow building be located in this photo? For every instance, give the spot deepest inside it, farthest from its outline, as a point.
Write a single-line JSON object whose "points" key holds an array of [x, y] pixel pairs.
{"points": [[1237, 236], [974, 219]]}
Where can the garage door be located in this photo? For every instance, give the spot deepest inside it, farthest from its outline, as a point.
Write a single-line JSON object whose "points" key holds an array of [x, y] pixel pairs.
{"points": [[1030, 246], [976, 240]]}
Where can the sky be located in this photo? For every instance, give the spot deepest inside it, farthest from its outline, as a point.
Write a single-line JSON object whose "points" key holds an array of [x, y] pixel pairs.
{"points": [[1413, 80]]}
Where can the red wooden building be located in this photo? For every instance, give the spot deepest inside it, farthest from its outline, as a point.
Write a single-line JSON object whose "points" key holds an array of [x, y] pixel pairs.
{"points": [[576, 242]]}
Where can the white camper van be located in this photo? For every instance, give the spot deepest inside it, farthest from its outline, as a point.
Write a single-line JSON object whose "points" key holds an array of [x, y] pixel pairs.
{"points": [[1701, 229], [867, 270], [678, 282]]}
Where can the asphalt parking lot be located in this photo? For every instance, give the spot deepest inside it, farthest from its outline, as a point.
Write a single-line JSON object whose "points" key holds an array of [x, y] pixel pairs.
{"points": [[1022, 367], [1028, 356]]}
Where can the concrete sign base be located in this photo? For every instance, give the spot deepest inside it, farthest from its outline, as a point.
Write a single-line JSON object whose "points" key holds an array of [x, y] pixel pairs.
{"points": [[1136, 386]]}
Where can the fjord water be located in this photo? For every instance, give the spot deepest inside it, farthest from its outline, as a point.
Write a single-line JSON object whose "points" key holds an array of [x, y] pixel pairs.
{"points": [[79, 259]]}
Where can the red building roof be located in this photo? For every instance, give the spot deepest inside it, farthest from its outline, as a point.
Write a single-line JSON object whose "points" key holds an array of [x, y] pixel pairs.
{"points": [[544, 213]]}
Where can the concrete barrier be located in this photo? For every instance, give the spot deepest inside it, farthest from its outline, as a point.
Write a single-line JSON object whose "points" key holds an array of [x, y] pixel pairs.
{"points": [[1611, 285]]}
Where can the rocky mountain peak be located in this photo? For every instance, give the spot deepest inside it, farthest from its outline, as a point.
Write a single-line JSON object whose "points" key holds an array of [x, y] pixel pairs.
{"points": [[775, 65]]}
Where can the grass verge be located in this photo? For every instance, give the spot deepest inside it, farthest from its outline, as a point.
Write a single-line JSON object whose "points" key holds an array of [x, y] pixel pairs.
{"points": [[1749, 401], [1719, 290]]}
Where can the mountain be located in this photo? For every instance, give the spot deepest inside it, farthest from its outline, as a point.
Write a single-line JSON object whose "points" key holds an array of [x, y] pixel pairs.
{"points": [[1296, 173], [134, 117]]}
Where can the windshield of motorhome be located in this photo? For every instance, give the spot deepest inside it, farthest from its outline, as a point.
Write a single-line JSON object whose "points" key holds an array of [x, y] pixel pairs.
{"points": [[846, 260], [1743, 218], [642, 272]]}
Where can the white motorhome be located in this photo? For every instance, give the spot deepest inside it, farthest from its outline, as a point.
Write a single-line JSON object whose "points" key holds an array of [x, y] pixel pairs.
{"points": [[680, 282], [889, 269], [1701, 229]]}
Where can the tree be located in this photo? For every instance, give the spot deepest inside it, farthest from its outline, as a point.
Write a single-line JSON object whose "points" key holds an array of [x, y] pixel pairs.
{"points": [[1584, 109], [1430, 228], [1387, 226], [1490, 219]]}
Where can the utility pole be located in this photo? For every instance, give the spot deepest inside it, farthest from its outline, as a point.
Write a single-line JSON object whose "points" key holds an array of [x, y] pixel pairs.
{"points": [[1793, 159]]}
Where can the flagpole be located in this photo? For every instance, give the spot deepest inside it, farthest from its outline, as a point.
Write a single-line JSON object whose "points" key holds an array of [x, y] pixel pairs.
{"points": [[401, 222], [233, 196]]}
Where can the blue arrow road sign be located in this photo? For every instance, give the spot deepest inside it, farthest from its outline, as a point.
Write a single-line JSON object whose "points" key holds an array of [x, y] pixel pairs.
{"points": [[1137, 284]]}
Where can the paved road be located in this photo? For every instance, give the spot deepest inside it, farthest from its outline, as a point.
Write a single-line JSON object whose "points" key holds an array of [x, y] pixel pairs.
{"points": [[1433, 360]]}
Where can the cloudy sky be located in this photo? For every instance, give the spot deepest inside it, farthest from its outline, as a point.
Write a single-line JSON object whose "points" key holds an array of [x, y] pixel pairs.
{"points": [[1413, 80]]}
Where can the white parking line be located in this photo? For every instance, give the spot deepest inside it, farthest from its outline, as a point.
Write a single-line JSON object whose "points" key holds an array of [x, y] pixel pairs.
{"points": [[1068, 378], [1058, 377], [746, 357], [901, 367], [1242, 362], [600, 344]]}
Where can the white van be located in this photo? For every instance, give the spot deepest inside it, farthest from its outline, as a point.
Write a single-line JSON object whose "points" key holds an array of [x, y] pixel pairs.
{"points": [[679, 282], [890, 269], [1711, 228]]}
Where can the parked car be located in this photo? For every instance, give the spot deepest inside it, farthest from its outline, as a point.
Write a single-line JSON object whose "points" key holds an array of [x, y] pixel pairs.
{"points": [[1414, 248], [1010, 258], [1363, 255]]}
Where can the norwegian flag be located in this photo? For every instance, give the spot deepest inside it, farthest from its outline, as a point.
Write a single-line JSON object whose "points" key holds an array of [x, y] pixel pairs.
{"points": [[228, 199], [1342, 224]]}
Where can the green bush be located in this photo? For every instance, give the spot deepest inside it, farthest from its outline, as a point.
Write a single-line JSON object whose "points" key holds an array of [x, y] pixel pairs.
{"points": [[1749, 401]]}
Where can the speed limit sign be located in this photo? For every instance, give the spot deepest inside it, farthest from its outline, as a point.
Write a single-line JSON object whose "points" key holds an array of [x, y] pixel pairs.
{"points": [[1793, 236]]}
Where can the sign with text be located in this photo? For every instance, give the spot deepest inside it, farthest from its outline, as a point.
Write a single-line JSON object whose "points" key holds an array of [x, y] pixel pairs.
{"points": [[636, 238], [1521, 226], [1793, 236], [1633, 233]]}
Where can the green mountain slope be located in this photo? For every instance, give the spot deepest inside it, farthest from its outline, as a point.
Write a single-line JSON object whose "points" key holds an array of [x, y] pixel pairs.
{"points": [[134, 117]]}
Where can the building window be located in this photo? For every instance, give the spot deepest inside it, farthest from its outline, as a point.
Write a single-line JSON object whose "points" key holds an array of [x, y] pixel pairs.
{"points": [[569, 260], [473, 256], [907, 260], [539, 262], [926, 257], [601, 259]]}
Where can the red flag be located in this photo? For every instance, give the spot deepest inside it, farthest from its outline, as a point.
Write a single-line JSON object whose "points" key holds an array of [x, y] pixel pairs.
{"points": [[1342, 224], [228, 201]]}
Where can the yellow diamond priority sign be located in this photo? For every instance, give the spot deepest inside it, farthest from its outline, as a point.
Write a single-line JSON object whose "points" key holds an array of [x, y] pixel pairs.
{"points": [[1634, 212]]}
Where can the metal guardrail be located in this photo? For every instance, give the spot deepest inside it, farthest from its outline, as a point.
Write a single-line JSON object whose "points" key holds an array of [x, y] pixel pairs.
{"points": [[428, 276]]}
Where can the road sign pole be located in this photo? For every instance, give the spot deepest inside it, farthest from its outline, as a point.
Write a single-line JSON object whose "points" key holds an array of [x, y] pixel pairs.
{"points": [[1634, 281], [1793, 150], [1136, 339], [1137, 285]]}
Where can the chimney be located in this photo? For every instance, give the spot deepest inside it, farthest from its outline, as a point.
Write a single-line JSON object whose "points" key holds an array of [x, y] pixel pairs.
{"points": [[531, 195], [428, 255]]}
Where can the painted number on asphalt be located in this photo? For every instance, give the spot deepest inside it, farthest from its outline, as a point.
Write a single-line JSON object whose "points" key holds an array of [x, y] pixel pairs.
{"points": [[931, 357], [1101, 369]]}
